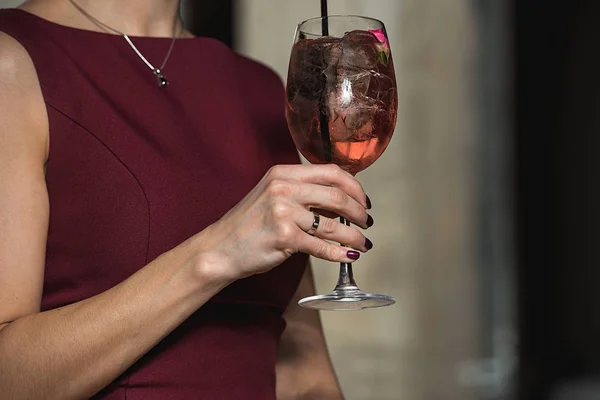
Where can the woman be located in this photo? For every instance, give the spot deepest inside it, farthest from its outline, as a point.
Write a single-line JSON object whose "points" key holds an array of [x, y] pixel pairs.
{"points": [[154, 223]]}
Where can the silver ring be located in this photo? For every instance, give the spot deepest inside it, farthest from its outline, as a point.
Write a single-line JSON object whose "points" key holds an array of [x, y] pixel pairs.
{"points": [[315, 224]]}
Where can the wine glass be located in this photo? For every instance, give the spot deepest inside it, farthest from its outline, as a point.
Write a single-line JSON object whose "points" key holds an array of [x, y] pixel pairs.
{"points": [[341, 108]]}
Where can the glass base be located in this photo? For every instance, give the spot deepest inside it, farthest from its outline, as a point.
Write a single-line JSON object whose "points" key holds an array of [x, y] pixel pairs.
{"points": [[346, 300]]}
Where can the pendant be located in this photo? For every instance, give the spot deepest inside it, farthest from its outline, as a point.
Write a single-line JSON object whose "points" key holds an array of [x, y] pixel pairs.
{"points": [[160, 78]]}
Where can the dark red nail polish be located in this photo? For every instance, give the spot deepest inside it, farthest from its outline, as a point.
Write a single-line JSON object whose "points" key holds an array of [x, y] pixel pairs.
{"points": [[369, 203], [353, 255], [370, 221], [368, 244]]}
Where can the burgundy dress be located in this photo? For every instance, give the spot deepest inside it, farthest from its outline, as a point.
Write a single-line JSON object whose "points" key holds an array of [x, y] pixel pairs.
{"points": [[135, 169]]}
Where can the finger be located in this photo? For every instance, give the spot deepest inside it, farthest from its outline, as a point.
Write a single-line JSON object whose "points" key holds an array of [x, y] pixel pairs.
{"points": [[326, 175], [330, 229], [333, 199], [326, 251]]}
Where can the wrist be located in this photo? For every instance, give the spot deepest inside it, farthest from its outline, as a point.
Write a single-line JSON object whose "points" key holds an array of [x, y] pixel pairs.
{"points": [[209, 267]]}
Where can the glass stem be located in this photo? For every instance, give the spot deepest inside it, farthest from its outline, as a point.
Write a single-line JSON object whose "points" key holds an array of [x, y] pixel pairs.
{"points": [[346, 277]]}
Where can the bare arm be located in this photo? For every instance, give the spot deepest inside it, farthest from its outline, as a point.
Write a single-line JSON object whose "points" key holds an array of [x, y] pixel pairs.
{"points": [[304, 370], [75, 351]]}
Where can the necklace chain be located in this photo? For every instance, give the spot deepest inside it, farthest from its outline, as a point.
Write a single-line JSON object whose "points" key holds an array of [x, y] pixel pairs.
{"points": [[161, 79]]}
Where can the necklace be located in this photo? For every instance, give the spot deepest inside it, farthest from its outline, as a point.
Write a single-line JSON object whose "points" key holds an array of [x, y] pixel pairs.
{"points": [[158, 72]]}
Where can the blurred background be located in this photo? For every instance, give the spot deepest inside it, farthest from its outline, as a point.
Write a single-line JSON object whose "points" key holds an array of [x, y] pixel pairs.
{"points": [[485, 202]]}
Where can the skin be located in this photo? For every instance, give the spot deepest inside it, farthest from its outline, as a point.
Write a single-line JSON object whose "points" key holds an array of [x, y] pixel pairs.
{"points": [[74, 351]]}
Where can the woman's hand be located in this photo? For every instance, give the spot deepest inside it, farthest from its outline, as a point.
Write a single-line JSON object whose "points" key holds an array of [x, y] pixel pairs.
{"points": [[270, 223]]}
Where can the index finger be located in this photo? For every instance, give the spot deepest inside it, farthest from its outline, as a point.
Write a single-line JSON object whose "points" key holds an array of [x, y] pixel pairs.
{"points": [[326, 175]]}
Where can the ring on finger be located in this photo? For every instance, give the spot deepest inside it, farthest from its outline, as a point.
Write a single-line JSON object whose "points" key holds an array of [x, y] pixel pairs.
{"points": [[315, 224]]}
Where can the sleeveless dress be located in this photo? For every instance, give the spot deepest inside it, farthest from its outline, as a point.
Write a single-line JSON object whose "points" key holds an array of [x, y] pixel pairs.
{"points": [[136, 169]]}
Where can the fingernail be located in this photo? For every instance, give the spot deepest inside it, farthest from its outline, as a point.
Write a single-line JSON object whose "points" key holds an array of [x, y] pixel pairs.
{"points": [[368, 203], [370, 221], [353, 255], [368, 244]]}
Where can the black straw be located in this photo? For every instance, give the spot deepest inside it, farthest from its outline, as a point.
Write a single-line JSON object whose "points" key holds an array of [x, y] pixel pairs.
{"points": [[324, 18], [323, 120]]}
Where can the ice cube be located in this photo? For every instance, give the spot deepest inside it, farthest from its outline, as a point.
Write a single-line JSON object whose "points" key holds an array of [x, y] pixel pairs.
{"points": [[360, 118], [380, 86], [310, 66], [359, 50], [357, 64], [352, 118], [331, 50], [358, 83]]}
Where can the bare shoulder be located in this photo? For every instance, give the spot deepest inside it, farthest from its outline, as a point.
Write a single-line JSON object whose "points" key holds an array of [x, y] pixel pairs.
{"points": [[14, 60], [24, 116]]}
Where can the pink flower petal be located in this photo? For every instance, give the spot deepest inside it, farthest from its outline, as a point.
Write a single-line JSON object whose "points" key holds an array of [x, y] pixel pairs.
{"points": [[379, 34]]}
